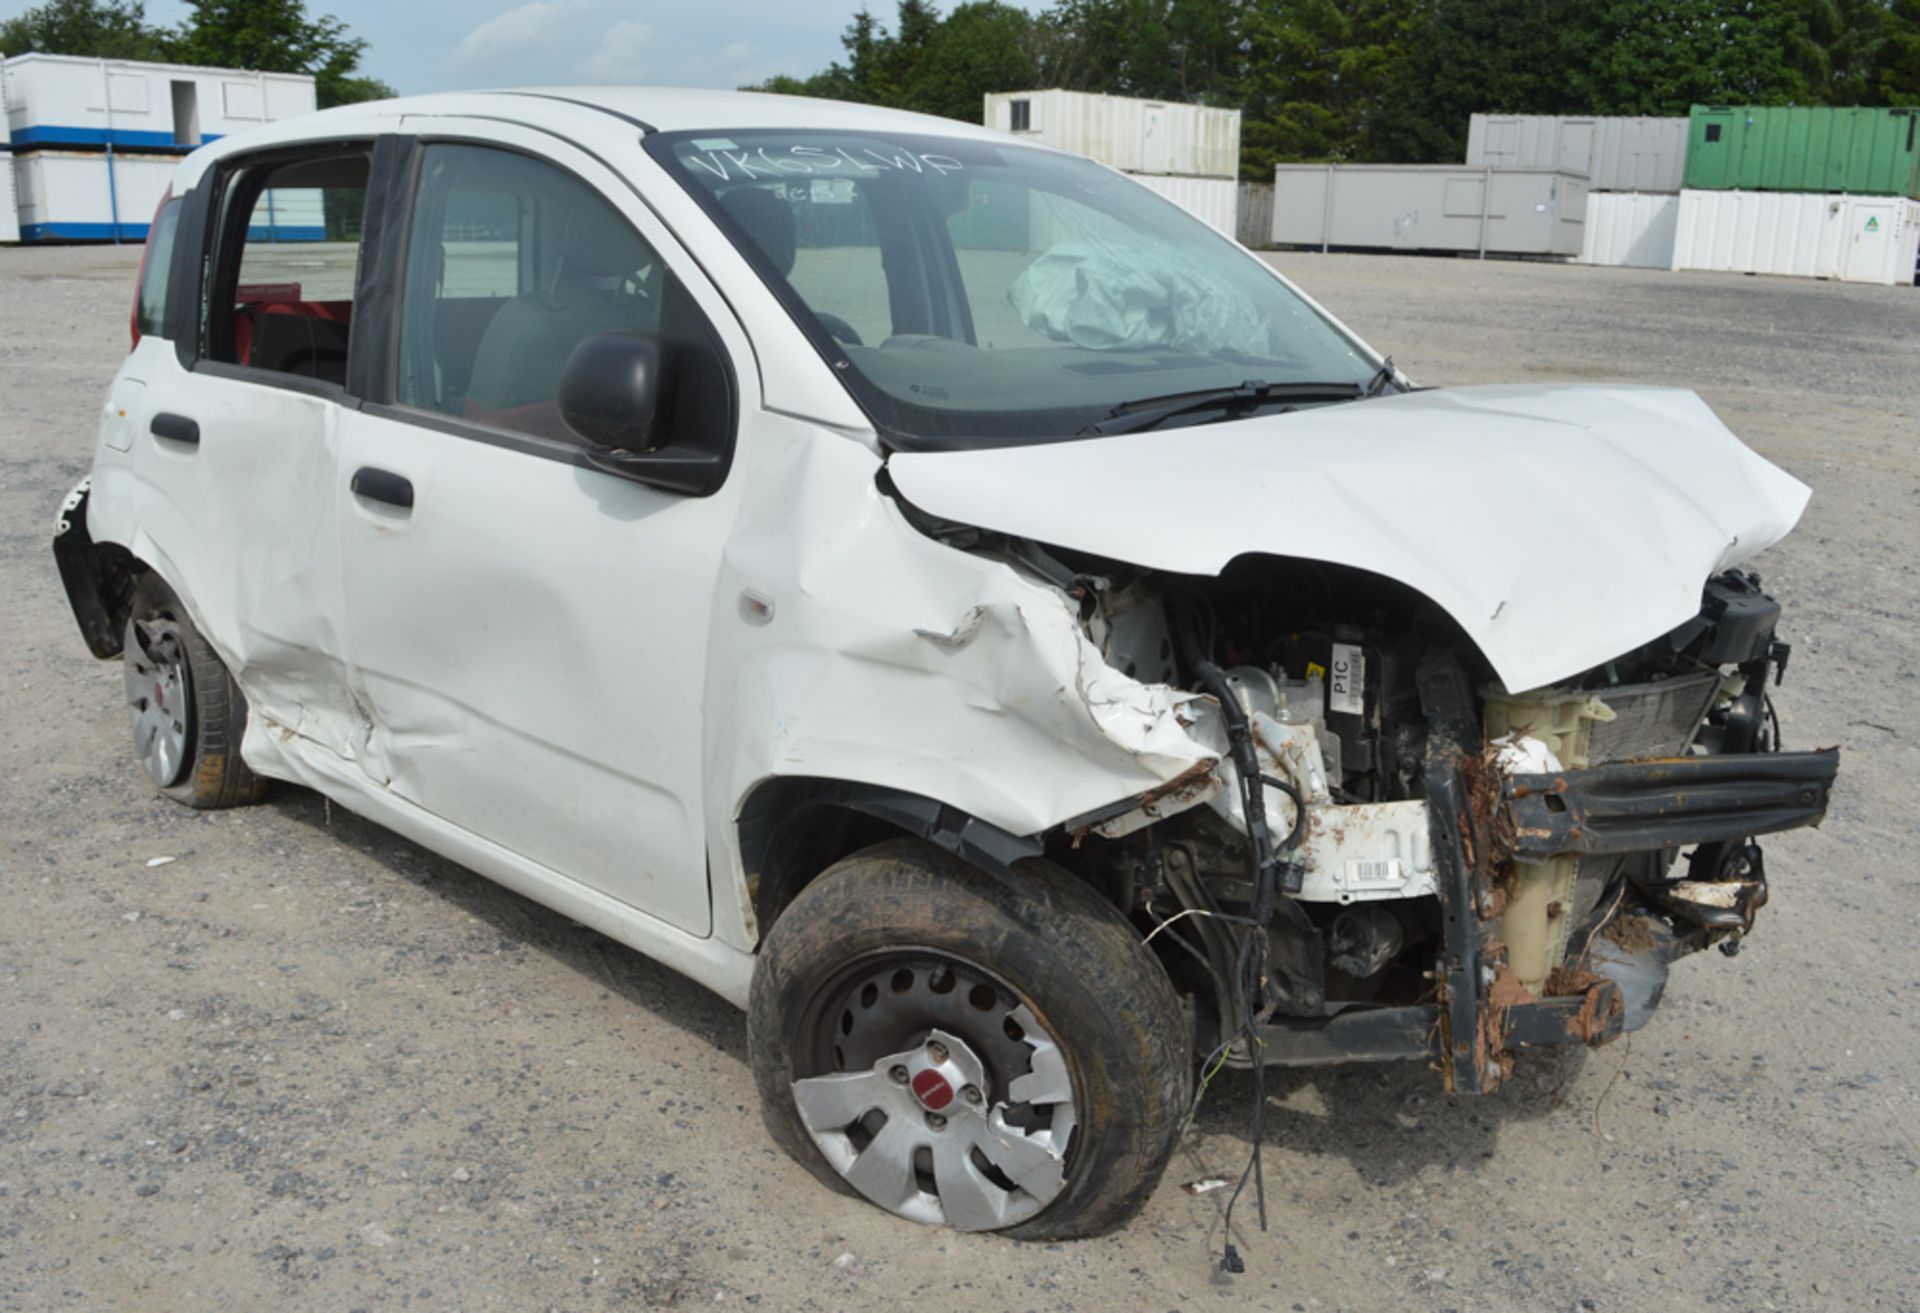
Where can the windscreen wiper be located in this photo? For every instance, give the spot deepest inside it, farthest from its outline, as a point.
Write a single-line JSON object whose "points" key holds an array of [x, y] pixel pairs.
{"points": [[1146, 413], [1381, 381]]}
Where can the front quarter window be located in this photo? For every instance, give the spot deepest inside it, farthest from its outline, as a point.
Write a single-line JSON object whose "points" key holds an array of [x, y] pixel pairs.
{"points": [[974, 293]]}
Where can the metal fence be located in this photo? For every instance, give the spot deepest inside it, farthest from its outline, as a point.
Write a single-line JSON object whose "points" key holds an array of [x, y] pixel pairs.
{"points": [[1256, 215]]}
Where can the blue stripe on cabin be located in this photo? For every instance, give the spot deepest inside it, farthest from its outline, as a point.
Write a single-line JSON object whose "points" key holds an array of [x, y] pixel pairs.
{"points": [[104, 232], [46, 134], [81, 232], [286, 232]]}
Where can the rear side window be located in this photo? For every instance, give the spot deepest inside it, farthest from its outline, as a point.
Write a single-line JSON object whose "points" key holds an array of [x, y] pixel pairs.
{"points": [[285, 304], [150, 306]]}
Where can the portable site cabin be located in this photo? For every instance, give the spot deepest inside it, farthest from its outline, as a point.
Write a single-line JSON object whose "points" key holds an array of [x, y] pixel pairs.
{"points": [[1611, 153], [1429, 207], [1633, 167], [1854, 239], [1855, 151], [94, 141], [65, 100], [1189, 154]]}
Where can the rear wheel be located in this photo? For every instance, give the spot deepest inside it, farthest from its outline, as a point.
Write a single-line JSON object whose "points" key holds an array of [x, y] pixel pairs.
{"points": [[967, 1050], [187, 714]]}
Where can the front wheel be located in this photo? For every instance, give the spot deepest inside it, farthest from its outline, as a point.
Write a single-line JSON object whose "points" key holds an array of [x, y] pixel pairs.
{"points": [[989, 1053]]}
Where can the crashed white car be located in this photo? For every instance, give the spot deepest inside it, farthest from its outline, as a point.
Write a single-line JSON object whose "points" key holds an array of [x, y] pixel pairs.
{"points": [[942, 597]]}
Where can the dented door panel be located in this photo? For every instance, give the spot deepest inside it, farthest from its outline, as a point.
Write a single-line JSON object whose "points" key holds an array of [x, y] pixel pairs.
{"points": [[240, 526]]}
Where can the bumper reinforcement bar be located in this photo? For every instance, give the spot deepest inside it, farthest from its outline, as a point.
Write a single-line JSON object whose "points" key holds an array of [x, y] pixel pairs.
{"points": [[1641, 806]]}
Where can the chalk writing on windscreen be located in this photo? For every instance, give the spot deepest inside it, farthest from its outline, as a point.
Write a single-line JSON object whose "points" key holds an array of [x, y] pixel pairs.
{"points": [[790, 161]]}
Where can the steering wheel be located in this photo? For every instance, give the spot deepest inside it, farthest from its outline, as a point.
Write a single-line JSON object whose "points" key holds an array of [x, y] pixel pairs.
{"points": [[840, 328]]}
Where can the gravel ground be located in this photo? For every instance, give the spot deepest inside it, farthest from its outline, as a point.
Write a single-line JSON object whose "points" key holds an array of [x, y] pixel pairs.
{"points": [[305, 1064]]}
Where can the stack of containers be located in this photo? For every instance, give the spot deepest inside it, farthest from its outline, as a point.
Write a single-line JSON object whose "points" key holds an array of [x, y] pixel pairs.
{"points": [[1816, 192], [95, 141], [1189, 154], [9, 211], [1633, 167]]}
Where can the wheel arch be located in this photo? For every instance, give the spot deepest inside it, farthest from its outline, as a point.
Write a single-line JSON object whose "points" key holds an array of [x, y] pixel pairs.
{"points": [[792, 828], [99, 577]]}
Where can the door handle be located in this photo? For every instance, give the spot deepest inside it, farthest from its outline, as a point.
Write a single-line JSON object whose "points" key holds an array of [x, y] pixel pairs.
{"points": [[383, 486], [175, 428]]}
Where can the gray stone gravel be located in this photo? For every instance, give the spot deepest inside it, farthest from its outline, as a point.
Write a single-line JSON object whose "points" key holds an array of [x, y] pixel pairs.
{"points": [[309, 1065]]}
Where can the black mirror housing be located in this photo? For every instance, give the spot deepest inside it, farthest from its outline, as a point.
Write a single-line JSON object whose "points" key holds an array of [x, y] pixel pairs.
{"points": [[610, 390]]}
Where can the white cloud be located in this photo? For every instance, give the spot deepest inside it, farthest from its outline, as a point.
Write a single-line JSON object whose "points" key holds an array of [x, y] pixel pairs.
{"points": [[522, 41], [620, 55]]}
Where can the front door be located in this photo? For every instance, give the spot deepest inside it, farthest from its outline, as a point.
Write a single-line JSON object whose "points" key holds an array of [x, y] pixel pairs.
{"points": [[529, 633]]}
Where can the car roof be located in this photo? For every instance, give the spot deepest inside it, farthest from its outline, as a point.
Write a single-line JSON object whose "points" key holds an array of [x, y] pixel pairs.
{"points": [[665, 109], [592, 109], [678, 109]]}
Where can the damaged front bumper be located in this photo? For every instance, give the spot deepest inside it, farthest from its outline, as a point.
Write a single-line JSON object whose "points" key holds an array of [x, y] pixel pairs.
{"points": [[1484, 820], [1716, 804]]}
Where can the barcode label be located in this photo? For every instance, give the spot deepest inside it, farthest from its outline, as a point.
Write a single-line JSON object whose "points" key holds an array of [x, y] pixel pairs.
{"points": [[1375, 871], [1347, 679]]}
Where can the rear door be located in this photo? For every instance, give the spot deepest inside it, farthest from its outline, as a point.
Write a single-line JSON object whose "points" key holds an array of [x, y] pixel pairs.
{"points": [[529, 633], [232, 429]]}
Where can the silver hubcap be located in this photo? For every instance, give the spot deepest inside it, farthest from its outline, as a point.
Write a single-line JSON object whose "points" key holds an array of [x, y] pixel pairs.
{"points": [[966, 1126], [159, 701]]}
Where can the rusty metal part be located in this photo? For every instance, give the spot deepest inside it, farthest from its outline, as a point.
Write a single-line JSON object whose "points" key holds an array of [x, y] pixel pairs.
{"points": [[1592, 1016], [1188, 789], [1628, 807], [1460, 845]]}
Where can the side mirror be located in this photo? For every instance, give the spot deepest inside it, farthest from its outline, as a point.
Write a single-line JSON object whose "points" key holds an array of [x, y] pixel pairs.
{"points": [[610, 390]]}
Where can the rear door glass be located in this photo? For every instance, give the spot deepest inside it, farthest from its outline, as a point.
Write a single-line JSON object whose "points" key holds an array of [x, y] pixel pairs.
{"points": [[290, 310], [156, 267]]}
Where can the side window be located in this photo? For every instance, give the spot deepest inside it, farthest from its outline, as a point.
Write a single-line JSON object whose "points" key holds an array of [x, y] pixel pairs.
{"points": [[286, 304], [150, 311], [511, 264]]}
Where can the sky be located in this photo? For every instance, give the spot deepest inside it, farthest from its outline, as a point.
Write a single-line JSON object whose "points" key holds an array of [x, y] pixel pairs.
{"points": [[444, 45]]}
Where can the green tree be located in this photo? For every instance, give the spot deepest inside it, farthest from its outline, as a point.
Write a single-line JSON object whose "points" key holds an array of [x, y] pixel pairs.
{"points": [[1876, 57], [1386, 80], [1317, 72], [856, 80], [979, 48], [1895, 78], [1662, 56], [1161, 49], [279, 36], [101, 29], [1455, 57]]}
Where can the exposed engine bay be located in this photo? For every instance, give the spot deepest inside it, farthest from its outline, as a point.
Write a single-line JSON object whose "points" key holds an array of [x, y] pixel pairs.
{"points": [[1397, 857]]}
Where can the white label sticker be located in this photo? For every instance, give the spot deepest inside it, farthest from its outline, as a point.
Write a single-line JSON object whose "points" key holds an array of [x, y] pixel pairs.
{"points": [[1375, 872], [1347, 679]]}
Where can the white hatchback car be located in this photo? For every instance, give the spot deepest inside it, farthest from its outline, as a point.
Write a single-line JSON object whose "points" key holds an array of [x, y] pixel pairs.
{"points": [[939, 595]]}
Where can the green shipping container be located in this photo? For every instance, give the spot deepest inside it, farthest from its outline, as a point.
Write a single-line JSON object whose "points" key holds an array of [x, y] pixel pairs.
{"points": [[1868, 152]]}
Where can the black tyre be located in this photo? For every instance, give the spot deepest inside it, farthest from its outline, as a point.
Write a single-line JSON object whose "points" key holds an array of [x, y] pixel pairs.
{"points": [[188, 715], [988, 1053]]}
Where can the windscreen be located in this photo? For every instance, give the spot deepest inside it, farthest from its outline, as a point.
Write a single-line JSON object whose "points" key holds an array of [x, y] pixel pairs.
{"points": [[979, 294]]}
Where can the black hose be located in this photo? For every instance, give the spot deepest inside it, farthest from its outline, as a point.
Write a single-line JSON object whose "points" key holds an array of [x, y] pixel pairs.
{"points": [[1193, 636]]}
